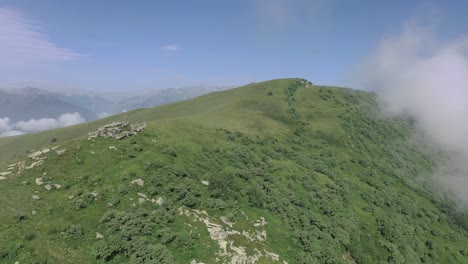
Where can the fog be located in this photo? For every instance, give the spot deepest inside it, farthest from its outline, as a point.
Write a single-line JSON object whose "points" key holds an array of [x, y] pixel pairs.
{"points": [[36, 125], [425, 77]]}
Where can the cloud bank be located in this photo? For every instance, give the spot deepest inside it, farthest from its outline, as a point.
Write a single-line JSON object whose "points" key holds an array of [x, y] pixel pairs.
{"points": [[418, 76], [36, 125], [22, 43]]}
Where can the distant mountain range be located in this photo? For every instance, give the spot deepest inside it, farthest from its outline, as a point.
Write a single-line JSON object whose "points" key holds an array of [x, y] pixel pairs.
{"points": [[32, 104]]}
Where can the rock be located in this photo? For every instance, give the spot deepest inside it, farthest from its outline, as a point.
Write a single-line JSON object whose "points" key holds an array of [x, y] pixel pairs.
{"points": [[33, 212], [159, 201], [142, 195], [205, 183], [99, 235], [2, 178], [260, 222], [60, 152], [35, 164], [36, 197], [39, 181], [272, 256], [141, 200], [48, 187], [226, 221], [139, 182], [57, 186], [35, 154], [5, 173], [117, 130]]}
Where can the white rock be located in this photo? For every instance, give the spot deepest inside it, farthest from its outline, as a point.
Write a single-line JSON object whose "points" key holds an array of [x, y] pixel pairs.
{"points": [[113, 147], [57, 186], [5, 173], [39, 181], [142, 195], [2, 178], [139, 182], [205, 183], [141, 200], [61, 151], [159, 201], [48, 187], [36, 197], [35, 154], [99, 235]]}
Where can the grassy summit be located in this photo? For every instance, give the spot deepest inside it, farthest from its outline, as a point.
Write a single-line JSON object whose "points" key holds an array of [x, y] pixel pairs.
{"points": [[272, 172]]}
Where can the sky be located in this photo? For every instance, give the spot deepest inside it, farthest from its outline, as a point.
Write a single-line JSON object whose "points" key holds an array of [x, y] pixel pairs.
{"points": [[114, 45]]}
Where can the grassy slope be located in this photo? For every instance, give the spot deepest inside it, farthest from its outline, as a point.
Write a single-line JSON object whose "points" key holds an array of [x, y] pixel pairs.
{"points": [[333, 181]]}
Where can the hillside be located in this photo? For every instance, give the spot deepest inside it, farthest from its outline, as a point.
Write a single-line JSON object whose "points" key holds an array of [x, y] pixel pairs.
{"points": [[274, 172]]}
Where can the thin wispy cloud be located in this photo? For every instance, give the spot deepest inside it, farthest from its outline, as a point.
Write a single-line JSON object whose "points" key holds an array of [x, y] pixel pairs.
{"points": [[23, 43], [172, 48], [286, 12]]}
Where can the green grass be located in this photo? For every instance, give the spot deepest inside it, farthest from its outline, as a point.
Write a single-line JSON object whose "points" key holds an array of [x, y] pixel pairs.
{"points": [[330, 176]]}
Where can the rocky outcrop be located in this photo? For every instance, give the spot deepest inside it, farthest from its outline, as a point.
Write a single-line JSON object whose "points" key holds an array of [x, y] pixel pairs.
{"points": [[231, 249], [117, 130]]}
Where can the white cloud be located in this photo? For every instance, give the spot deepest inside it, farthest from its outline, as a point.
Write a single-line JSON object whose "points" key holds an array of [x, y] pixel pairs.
{"points": [[4, 124], [103, 115], [172, 47], [418, 75], [22, 43], [11, 133], [284, 12], [36, 125]]}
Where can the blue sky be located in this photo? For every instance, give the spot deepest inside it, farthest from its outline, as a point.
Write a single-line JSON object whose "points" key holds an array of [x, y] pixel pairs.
{"points": [[120, 45]]}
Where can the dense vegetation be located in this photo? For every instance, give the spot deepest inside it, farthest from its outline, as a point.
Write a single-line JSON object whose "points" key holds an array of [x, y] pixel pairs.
{"points": [[336, 182]]}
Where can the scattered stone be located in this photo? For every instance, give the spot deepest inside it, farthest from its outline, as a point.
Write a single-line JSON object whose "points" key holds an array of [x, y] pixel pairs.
{"points": [[33, 212], [272, 256], [5, 173], [205, 183], [35, 164], [57, 186], [36, 197], [48, 187], [260, 222], [113, 148], [35, 154], [2, 178], [61, 152], [142, 195], [99, 235], [141, 200], [117, 130], [226, 221], [159, 201], [139, 182], [39, 181]]}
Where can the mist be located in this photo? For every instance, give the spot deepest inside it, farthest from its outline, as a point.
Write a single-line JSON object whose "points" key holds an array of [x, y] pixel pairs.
{"points": [[419, 75], [36, 125]]}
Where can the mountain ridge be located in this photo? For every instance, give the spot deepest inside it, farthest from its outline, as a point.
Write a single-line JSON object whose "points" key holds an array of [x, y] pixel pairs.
{"points": [[276, 171]]}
